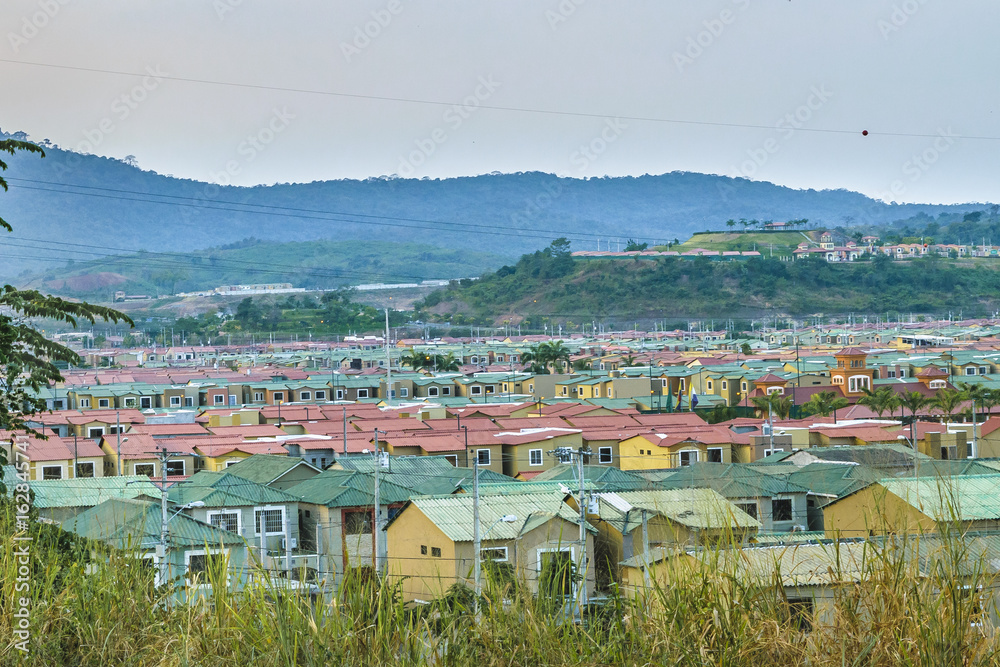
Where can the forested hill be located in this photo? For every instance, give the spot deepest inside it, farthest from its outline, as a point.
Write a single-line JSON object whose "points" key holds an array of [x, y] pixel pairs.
{"points": [[106, 205], [550, 286]]}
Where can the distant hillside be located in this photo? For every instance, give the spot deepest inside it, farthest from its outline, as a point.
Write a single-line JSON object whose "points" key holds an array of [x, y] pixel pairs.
{"points": [[776, 244], [106, 205], [551, 287], [309, 264]]}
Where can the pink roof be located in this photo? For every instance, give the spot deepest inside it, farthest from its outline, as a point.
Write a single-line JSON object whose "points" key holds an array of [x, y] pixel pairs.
{"points": [[249, 431]]}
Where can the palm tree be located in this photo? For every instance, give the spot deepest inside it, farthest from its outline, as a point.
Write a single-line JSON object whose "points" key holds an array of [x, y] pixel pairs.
{"points": [[417, 360], [730, 223], [558, 353], [628, 360], [824, 403], [913, 401], [877, 401], [447, 363], [774, 403], [947, 401]]}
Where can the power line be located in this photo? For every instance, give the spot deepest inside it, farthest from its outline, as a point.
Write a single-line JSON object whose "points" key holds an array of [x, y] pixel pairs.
{"points": [[511, 109]]}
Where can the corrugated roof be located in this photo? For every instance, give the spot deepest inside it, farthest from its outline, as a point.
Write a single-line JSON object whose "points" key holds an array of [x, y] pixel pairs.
{"points": [[219, 489], [964, 497], [695, 508], [90, 491], [265, 468], [453, 514]]}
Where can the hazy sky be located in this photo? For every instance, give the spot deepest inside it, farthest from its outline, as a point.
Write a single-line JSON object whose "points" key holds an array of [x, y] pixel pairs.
{"points": [[252, 92]]}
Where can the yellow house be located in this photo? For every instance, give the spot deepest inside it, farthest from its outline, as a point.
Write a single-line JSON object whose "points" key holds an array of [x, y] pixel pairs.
{"points": [[526, 452], [683, 447], [215, 454], [430, 541], [54, 458], [632, 522], [916, 505]]}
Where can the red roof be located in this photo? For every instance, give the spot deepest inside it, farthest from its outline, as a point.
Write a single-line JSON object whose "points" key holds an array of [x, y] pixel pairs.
{"points": [[851, 352], [769, 379]]}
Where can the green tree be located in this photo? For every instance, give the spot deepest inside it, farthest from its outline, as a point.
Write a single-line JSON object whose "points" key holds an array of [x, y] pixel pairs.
{"points": [[28, 360], [914, 401], [947, 401], [780, 406], [634, 245], [824, 403], [878, 401]]}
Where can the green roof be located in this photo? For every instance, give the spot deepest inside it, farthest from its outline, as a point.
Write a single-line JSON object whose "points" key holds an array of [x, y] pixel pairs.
{"points": [[453, 514], [348, 488], [220, 489], [90, 491], [604, 475], [125, 523], [265, 468], [964, 497], [732, 480], [695, 508], [427, 475]]}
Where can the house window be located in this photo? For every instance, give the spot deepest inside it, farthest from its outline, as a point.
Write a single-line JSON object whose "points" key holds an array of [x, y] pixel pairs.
{"points": [[452, 459], [597, 392], [535, 457], [357, 523], [725, 385], [743, 386], [258, 397], [432, 391], [404, 392], [189, 401], [362, 393], [604, 454], [749, 508], [483, 456], [198, 563], [175, 468], [436, 552], [531, 388], [175, 401], [322, 463], [274, 520], [902, 373], [305, 395], [715, 455], [340, 394], [681, 384], [688, 456], [219, 399], [775, 390], [232, 462], [982, 370], [710, 385], [970, 370], [95, 432], [937, 384], [491, 389], [800, 613], [225, 520], [84, 402], [475, 390], [147, 469], [781, 509], [51, 472], [321, 395], [497, 554], [278, 396], [145, 402], [85, 469], [446, 391], [423, 549], [891, 374], [104, 403]]}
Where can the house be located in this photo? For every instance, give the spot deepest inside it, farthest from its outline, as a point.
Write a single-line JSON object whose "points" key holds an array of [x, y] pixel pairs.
{"points": [[192, 546], [917, 505], [138, 454], [267, 519], [430, 542], [633, 522], [55, 457]]}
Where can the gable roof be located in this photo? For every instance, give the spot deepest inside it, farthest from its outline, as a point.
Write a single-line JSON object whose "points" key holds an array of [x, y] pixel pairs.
{"points": [[266, 468], [131, 523], [220, 489]]}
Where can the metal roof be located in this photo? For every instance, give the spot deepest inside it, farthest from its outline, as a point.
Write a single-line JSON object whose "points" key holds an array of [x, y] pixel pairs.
{"points": [[220, 489], [695, 508], [90, 491], [265, 468], [963, 497]]}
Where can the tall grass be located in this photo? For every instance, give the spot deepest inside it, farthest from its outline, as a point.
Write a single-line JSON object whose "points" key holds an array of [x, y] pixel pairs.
{"points": [[916, 605]]}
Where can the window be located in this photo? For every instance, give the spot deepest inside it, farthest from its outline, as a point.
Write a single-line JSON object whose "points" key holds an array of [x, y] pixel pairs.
{"points": [[891, 374], [340, 394], [258, 397], [432, 391], [970, 370], [531, 388], [274, 520], [321, 395], [95, 432], [436, 552], [104, 403], [404, 392], [84, 402], [982, 370], [800, 613], [452, 459], [175, 468], [322, 462], [949, 453], [225, 520], [130, 402], [175, 401], [688, 456], [491, 389], [475, 390], [278, 396], [725, 385], [362, 393], [145, 402], [743, 386], [902, 373], [232, 462], [147, 469], [423, 549], [305, 395], [681, 384], [446, 391], [781, 509], [85, 469], [199, 561], [710, 385], [219, 399], [749, 508], [715, 455], [483, 457], [535, 457], [51, 472], [496, 554], [775, 390], [597, 391], [604, 454], [357, 523], [937, 384]]}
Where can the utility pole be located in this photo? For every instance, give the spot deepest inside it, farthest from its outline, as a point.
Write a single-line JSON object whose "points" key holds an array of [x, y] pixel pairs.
{"points": [[162, 457], [476, 543], [345, 429], [388, 360], [118, 434], [565, 455], [378, 512]]}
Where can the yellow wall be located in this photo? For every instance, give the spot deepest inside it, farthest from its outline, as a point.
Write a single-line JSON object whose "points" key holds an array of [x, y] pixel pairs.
{"points": [[423, 576], [873, 511]]}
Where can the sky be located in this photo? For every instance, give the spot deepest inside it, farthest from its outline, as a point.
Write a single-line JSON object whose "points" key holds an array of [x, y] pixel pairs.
{"points": [[241, 92]]}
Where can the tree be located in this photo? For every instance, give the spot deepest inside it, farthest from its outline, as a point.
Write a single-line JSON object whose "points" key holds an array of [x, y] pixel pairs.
{"points": [[825, 403], [746, 349], [780, 406], [28, 359], [634, 245], [731, 223], [947, 401], [878, 401], [913, 401]]}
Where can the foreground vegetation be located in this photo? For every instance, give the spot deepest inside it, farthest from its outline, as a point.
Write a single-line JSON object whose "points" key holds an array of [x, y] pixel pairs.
{"points": [[93, 606], [551, 286]]}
